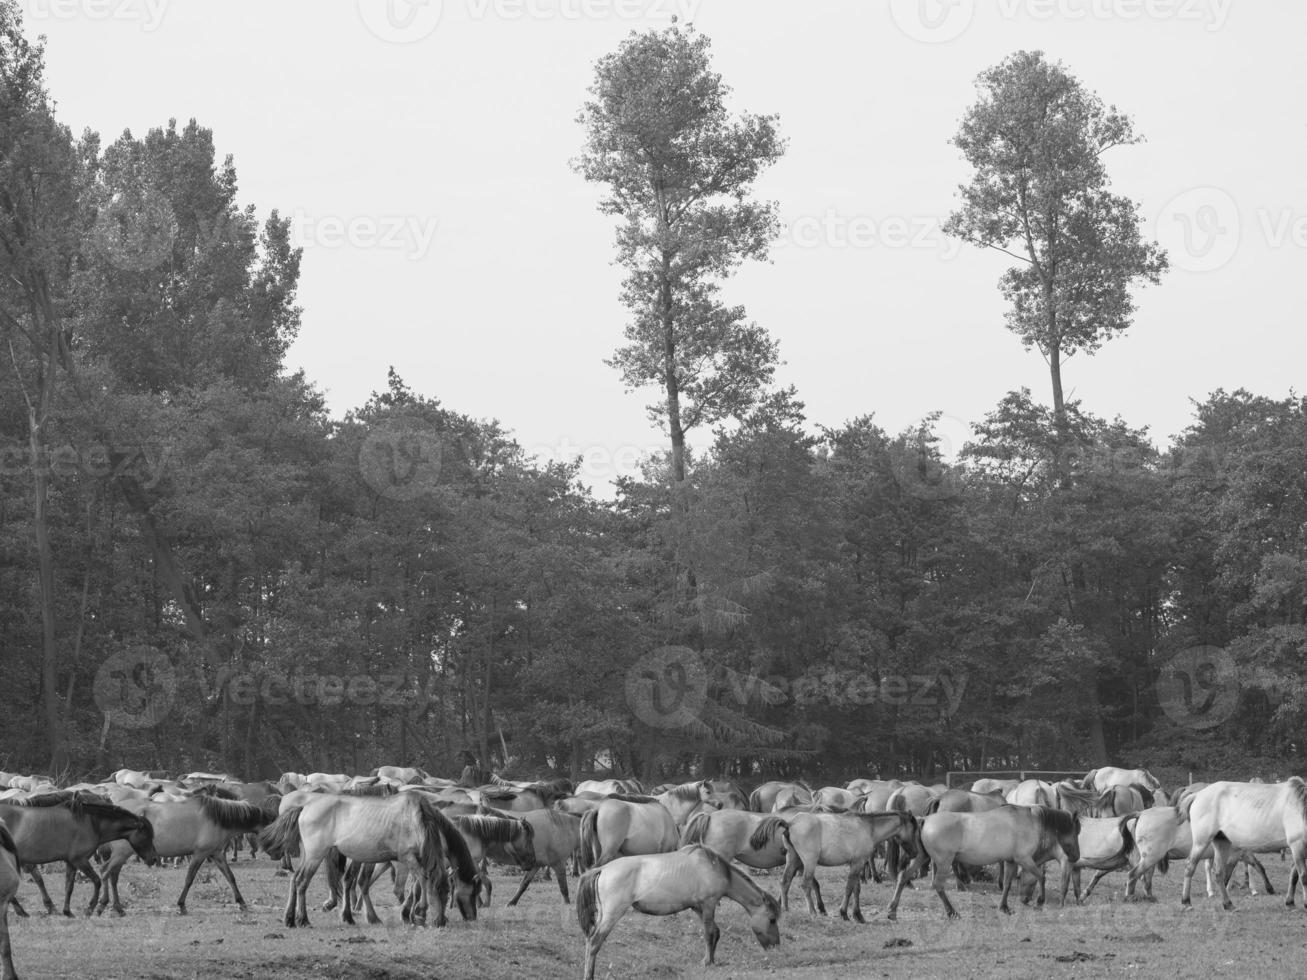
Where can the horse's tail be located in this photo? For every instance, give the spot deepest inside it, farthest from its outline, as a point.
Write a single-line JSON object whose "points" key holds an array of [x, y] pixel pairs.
{"points": [[755, 800], [281, 838], [932, 807], [587, 901], [335, 863], [589, 839], [765, 832], [1127, 837], [1183, 807], [695, 829]]}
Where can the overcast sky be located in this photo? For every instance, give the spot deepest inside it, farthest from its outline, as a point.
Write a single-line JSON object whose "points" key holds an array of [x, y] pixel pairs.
{"points": [[422, 150]]}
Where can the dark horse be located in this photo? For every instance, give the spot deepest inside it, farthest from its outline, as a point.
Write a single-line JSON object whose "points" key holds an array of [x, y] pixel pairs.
{"points": [[70, 827]]}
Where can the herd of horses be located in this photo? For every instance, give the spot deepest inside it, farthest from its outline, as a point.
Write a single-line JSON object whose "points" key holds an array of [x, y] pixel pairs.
{"points": [[673, 848]]}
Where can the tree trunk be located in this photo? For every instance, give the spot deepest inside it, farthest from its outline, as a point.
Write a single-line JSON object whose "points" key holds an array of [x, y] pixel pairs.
{"points": [[53, 716]]}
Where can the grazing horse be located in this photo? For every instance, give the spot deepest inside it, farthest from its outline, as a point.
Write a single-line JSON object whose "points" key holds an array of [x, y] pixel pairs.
{"points": [[200, 827], [9, 878], [1255, 817], [695, 877], [757, 840], [1022, 837], [403, 828], [70, 827], [834, 839]]}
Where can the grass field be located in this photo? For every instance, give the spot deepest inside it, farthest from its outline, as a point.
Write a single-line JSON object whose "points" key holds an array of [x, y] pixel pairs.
{"points": [[540, 938]]}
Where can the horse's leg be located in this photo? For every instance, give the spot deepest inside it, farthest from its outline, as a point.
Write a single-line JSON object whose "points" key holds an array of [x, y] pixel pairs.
{"points": [[1098, 876], [308, 868], [1266, 882], [1221, 858], [85, 867], [527, 878], [891, 913], [197, 859], [220, 859], [70, 879], [1190, 866], [605, 922], [369, 910], [115, 869], [792, 865], [853, 893], [560, 872], [711, 933], [943, 867], [39, 881]]}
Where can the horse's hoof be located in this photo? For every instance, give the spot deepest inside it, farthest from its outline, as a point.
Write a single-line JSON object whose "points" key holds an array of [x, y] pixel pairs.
{"points": [[953, 915], [1228, 906], [68, 914]]}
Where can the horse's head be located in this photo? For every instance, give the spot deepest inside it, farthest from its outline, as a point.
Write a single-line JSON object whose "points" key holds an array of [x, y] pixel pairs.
{"points": [[765, 922], [466, 895], [142, 840]]}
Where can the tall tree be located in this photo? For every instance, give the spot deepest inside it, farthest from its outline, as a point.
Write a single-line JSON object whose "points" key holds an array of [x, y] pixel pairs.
{"points": [[679, 169], [40, 176], [1039, 193]]}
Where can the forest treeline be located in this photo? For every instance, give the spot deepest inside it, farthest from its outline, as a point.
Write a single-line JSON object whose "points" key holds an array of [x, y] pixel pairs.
{"points": [[201, 568]]}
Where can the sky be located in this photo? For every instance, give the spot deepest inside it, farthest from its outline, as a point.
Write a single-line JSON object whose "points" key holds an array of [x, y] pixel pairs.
{"points": [[422, 148]]}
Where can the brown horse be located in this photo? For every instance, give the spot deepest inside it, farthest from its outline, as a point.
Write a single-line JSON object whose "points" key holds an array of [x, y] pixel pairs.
{"points": [[9, 878]]}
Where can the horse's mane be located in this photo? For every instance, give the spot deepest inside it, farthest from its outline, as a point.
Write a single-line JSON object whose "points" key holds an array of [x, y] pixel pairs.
{"points": [[1055, 821], [454, 844], [233, 814], [724, 867], [1299, 790], [632, 798], [215, 790], [368, 789], [494, 830], [685, 791]]}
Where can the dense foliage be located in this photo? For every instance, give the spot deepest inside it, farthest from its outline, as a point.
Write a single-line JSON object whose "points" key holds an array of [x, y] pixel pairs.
{"points": [[230, 578]]}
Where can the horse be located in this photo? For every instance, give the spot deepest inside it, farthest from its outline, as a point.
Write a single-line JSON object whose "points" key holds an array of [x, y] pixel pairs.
{"points": [[10, 876], [987, 784], [609, 787], [1256, 817], [70, 827], [835, 796], [756, 840], [555, 837], [1020, 836], [406, 775], [834, 839], [403, 828], [199, 827], [966, 801], [1105, 845], [1032, 792], [509, 837], [1160, 837], [694, 877], [1109, 776], [764, 798], [865, 785], [626, 826], [535, 796]]}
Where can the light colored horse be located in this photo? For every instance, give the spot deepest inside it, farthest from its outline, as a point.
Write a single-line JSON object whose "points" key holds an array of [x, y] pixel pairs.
{"points": [[694, 877], [757, 840], [556, 836], [404, 828], [1024, 837], [198, 827], [610, 787], [9, 879], [1254, 817], [1105, 846], [834, 839], [864, 786], [619, 828], [764, 798], [1109, 776], [835, 796], [400, 774], [967, 801], [988, 785], [1032, 792], [1161, 837]]}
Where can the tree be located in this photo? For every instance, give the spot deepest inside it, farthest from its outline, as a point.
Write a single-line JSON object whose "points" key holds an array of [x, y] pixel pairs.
{"points": [[679, 170], [1039, 193], [40, 176]]}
